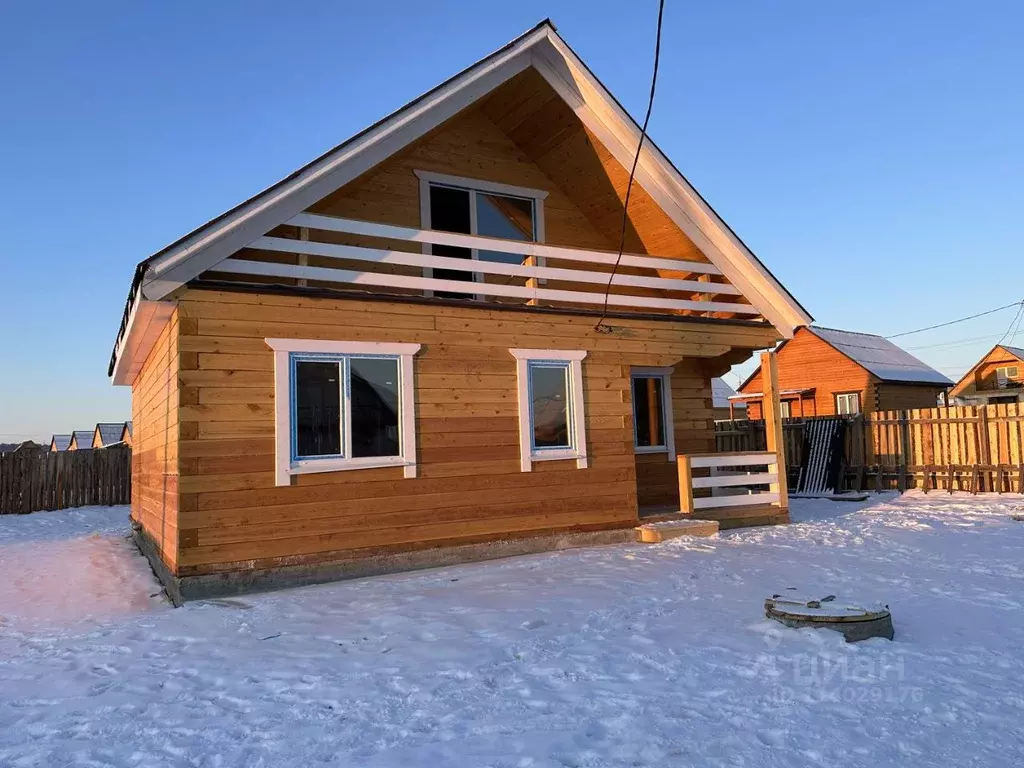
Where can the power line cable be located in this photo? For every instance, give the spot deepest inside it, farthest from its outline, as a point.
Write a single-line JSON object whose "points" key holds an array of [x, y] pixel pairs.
{"points": [[954, 322], [1014, 322], [636, 159]]}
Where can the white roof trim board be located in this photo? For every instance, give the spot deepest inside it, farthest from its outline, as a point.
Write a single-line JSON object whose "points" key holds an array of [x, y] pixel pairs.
{"points": [[880, 357], [543, 49]]}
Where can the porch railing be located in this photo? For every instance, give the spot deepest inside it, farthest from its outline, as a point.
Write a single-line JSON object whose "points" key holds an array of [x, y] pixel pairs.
{"points": [[545, 273]]}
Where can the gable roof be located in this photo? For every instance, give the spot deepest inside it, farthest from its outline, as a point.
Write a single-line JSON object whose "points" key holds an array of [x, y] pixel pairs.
{"points": [[82, 438], [968, 378], [126, 428], [875, 354], [60, 442], [720, 394], [541, 48], [880, 357], [110, 432]]}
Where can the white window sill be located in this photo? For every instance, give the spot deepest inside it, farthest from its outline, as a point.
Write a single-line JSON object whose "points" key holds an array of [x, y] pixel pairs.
{"points": [[568, 454], [317, 466], [650, 449]]}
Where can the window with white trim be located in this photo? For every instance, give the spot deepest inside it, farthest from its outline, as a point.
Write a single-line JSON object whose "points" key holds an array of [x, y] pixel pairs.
{"points": [[550, 395], [848, 404], [473, 207], [1005, 374], [786, 409], [342, 405], [652, 411]]}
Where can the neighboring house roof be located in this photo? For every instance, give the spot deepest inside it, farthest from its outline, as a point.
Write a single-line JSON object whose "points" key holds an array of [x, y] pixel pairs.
{"points": [[127, 428], [60, 442], [542, 48], [110, 432], [82, 438], [880, 357], [720, 394], [968, 378], [875, 354]]}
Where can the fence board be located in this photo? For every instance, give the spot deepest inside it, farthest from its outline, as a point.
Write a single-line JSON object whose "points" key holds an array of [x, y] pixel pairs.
{"points": [[38, 480]]}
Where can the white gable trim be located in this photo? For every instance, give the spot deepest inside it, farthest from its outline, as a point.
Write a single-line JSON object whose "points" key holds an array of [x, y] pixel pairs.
{"points": [[211, 244], [543, 49]]}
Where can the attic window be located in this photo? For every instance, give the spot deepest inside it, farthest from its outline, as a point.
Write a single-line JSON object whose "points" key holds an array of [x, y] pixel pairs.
{"points": [[473, 207]]}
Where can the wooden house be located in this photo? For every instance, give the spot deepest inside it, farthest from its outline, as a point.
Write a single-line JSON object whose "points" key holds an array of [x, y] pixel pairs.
{"points": [[824, 372], [399, 354], [997, 378], [107, 433], [60, 443], [126, 434], [81, 439]]}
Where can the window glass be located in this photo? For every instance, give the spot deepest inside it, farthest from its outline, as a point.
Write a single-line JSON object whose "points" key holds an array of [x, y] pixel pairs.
{"points": [[848, 404], [648, 411], [317, 408], [510, 218], [549, 405], [449, 212], [374, 393]]}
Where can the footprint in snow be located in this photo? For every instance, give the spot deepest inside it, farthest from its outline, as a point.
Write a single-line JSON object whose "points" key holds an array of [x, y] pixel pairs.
{"points": [[533, 624]]}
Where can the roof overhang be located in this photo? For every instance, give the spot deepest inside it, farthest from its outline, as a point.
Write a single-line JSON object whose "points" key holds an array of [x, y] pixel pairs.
{"points": [[146, 319], [543, 49], [785, 393]]}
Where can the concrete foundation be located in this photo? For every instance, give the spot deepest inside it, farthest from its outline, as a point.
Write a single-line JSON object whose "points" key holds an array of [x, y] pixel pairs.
{"points": [[180, 589]]}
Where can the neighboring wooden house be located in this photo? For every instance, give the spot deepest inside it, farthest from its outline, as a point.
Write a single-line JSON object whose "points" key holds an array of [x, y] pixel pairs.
{"points": [[997, 378], [824, 371], [400, 347], [60, 442], [107, 433], [723, 407], [126, 434], [81, 439]]}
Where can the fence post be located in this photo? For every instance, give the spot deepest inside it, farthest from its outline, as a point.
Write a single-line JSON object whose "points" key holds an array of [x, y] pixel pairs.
{"points": [[685, 485], [774, 439], [984, 449]]}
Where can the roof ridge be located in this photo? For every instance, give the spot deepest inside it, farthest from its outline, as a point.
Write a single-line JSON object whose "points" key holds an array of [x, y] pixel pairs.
{"points": [[843, 330]]}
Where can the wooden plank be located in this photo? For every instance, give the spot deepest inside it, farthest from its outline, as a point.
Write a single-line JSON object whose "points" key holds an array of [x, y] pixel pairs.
{"points": [[726, 481], [712, 502]]}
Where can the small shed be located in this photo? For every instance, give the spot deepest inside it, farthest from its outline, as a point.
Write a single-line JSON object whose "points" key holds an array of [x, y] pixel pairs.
{"points": [[60, 443], [81, 439], [826, 371]]}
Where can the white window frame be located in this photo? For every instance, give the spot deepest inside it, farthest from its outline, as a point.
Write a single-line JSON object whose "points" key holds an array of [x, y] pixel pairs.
{"points": [[284, 465], [1006, 377], [473, 186], [841, 395], [785, 409], [665, 374], [577, 425]]}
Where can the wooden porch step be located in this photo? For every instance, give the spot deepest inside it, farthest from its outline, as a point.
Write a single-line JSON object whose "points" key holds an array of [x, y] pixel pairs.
{"points": [[654, 533]]}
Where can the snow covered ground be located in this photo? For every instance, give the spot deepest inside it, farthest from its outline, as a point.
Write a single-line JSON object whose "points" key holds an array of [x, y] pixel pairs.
{"points": [[618, 656]]}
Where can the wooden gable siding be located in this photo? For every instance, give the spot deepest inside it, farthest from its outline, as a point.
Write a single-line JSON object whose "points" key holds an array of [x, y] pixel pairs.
{"points": [[469, 487], [155, 411], [985, 375], [808, 362], [498, 140]]}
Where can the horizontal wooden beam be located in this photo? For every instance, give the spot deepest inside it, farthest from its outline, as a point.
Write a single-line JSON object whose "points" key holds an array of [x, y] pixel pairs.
{"points": [[740, 500], [412, 282], [523, 248], [755, 458], [725, 481], [410, 259]]}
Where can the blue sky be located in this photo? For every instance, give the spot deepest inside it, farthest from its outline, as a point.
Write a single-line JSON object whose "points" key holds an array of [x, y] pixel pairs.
{"points": [[870, 153]]}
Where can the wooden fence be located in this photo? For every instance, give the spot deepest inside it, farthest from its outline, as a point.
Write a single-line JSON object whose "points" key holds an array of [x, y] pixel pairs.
{"points": [[37, 480], [969, 448]]}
